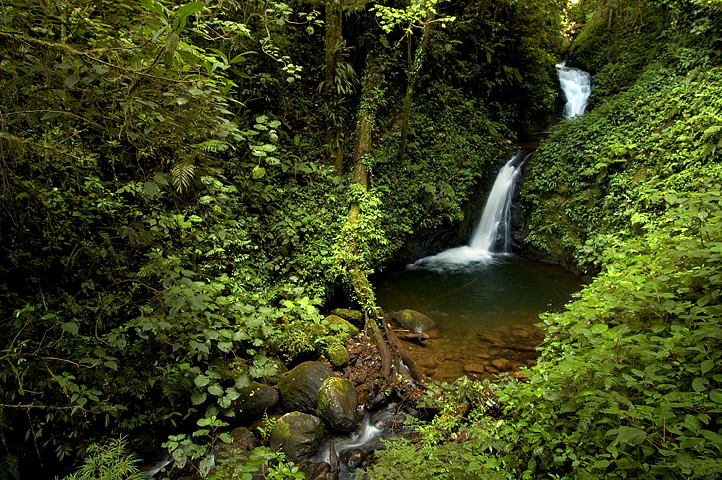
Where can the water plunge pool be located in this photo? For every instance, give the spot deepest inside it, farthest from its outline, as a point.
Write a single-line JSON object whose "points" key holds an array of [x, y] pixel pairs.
{"points": [[485, 311]]}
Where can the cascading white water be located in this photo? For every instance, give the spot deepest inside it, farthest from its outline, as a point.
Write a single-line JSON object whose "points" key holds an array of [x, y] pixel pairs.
{"points": [[495, 217], [577, 86]]}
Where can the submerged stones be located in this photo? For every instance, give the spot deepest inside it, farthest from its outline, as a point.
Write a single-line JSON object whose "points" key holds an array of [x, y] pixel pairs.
{"points": [[337, 404], [415, 322], [299, 387]]}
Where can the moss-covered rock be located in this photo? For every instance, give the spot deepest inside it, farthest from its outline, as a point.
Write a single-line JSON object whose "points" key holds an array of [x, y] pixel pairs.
{"points": [[337, 404], [336, 320], [299, 387], [414, 321], [353, 316], [297, 435], [336, 354]]}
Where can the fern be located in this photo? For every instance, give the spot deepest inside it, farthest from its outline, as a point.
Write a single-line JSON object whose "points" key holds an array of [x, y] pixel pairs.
{"points": [[108, 462], [182, 174], [214, 146], [9, 467]]}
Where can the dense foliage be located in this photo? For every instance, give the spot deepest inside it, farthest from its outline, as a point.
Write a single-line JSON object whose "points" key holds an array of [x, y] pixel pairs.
{"points": [[628, 384], [169, 222]]}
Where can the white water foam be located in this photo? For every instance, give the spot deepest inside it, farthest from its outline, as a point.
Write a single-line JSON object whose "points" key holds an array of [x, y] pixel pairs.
{"points": [[577, 86], [491, 235]]}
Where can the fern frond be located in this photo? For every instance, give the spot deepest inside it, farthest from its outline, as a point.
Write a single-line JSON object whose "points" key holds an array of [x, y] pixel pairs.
{"points": [[182, 174], [214, 146]]}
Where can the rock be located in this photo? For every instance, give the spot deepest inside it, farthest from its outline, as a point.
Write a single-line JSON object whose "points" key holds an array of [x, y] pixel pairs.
{"points": [[503, 364], [337, 404], [474, 368], [315, 470], [296, 434], [337, 355], [353, 458], [414, 321], [353, 316], [243, 441], [520, 331], [299, 387], [483, 355], [254, 401], [343, 323], [427, 362], [243, 438]]}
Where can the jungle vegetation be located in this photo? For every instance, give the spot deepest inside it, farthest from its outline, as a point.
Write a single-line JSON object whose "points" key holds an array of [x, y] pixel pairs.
{"points": [[185, 185]]}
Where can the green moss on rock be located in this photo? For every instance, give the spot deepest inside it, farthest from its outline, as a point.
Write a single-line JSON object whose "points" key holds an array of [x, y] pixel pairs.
{"points": [[337, 355]]}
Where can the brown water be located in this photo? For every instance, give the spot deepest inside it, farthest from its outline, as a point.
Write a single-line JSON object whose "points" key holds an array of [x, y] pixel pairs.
{"points": [[485, 311]]}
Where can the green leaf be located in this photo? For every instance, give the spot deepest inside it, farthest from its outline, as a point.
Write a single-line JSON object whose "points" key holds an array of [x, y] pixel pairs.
{"points": [[716, 396], [598, 328], [707, 365], [198, 397], [215, 389], [185, 11], [630, 436], [258, 172], [71, 327], [713, 437], [700, 384], [201, 380], [72, 80], [150, 188]]}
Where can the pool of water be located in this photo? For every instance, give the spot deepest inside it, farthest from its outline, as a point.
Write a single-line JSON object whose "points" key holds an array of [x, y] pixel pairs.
{"points": [[485, 311]]}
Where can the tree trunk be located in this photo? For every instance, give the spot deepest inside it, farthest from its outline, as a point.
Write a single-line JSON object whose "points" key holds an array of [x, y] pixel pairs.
{"points": [[334, 35], [414, 69]]}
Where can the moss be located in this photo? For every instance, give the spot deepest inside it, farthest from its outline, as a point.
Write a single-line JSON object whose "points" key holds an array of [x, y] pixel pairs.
{"points": [[337, 355], [341, 322]]}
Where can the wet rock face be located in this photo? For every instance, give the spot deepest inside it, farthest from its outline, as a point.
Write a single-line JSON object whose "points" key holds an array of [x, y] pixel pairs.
{"points": [[353, 458], [337, 404], [299, 387], [297, 434]]}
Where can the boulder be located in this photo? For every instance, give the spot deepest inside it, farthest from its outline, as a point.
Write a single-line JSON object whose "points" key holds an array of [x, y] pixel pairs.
{"points": [[353, 316], [353, 458], [336, 354], [414, 321], [299, 387], [342, 322], [503, 364], [297, 435], [337, 404], [243, 441], [315, 470], [254, 401]]}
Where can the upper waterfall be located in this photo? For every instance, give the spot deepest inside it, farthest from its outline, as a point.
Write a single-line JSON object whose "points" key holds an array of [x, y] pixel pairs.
{"points": [[577, 86], [492, 233]]}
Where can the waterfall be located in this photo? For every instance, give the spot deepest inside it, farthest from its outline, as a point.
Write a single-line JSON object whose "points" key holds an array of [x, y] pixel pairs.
{"points": [[492, 233], [577, 86]]}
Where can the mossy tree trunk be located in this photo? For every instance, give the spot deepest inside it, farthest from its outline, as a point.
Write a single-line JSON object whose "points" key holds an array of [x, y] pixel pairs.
{"points": [[414, 69], [334, 36]]}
